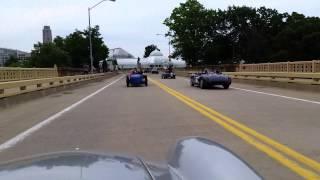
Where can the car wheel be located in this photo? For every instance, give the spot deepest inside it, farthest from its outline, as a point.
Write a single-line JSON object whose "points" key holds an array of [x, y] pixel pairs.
{"points": [[146, 81], [202, 84], [191, 83], [127, 81], [226, 86]]}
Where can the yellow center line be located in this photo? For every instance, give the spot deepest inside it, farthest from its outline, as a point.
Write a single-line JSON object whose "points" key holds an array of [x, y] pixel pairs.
{"points": [[262, 147], [294, 154]]}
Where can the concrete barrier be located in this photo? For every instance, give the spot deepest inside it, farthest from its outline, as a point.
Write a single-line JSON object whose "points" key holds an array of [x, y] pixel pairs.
{"points": [[300, 78], [286, 67], [18, 74], [20, 87]]}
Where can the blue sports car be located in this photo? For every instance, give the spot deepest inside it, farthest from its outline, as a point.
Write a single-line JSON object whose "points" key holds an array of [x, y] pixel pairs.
{"points": [[208, 79], [136, 79]]}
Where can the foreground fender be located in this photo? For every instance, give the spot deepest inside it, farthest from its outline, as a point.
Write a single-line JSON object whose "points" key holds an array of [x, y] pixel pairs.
{"points": [[198, 158]]}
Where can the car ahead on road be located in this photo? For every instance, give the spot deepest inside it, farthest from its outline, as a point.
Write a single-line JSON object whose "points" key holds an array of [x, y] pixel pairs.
{"points": [[208, 79], [154, 70], [136, 79], [192, 159], [168, 75], [146, 70]]}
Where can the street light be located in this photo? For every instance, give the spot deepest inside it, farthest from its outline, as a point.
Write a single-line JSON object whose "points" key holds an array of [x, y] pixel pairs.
{"points": [[168, 43], [90, 40]]}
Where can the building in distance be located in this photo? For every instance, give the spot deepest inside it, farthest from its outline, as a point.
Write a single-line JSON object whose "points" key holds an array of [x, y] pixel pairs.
{"points": [[125, 60], [46, 35], [5, 54]]}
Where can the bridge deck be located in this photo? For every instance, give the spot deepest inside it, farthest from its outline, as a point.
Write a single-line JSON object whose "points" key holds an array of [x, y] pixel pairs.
{"points": [[146, 121]]}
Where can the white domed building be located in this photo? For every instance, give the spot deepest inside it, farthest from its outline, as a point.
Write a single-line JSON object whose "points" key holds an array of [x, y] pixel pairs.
{"points": [[156, 59]]}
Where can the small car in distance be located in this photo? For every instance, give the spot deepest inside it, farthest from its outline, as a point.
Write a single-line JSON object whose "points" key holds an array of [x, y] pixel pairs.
{"points": [[146, 70], [136, 79], [208, 79], [168, 75], [154, 70]]}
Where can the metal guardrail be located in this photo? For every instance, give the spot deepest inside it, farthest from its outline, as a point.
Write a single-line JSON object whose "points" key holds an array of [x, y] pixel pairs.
{"points": [[18, 74], [301, 78], [20, 87]]}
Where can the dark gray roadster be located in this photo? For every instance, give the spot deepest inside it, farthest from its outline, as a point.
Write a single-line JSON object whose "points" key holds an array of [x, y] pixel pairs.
{"points": [[208, 79]]}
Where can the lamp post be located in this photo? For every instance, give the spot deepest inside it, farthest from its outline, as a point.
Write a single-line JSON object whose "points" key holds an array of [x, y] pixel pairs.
{"points": [[90, 40], [168, 43]]}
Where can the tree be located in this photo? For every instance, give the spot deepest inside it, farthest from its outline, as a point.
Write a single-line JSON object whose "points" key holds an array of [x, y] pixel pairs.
{"points": [[149, 49], [100, 50], [71, 51], [12, 62], [47, 55], [207, 36], [188, 28], [77, 45]]}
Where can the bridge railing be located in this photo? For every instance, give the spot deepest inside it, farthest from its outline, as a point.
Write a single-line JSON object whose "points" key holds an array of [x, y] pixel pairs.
{"points": [[12, 88], [296, 67], [18, 74], [300, 78]]}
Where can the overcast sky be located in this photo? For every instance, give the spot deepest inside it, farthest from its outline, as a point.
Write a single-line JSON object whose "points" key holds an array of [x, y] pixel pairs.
{"points": [[130, 24]]}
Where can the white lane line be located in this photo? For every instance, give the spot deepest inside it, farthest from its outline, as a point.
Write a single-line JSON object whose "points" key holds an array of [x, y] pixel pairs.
{"points": [[20, 137], [276, 95], [270, 94]]}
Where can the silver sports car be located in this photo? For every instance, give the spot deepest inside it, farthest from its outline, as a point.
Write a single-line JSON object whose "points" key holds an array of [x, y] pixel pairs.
{"points": [[191, 159]]}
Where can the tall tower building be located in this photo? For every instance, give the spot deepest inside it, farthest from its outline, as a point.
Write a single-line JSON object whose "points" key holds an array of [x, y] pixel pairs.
{"points": [[46, 34]]}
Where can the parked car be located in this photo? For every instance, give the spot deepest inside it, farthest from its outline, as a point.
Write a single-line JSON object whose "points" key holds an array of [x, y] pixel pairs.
{"points": [[136, 79], [208, 79]]}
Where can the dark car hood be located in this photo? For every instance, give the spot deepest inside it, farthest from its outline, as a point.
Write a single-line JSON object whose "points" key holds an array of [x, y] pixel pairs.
{"points": [[191, 158], [76, 166]]}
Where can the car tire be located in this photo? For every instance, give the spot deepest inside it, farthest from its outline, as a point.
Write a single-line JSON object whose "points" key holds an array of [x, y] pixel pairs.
{"points": [[226, 86], [127, 81], [202, 84], [191, 83], [146, 81]]}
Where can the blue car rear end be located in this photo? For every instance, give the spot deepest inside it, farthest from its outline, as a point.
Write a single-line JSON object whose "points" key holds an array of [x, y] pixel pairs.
{"points": [[136, 80]]}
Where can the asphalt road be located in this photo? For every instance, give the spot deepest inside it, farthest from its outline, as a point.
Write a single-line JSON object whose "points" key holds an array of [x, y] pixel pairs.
{"points": [[147, 121]]}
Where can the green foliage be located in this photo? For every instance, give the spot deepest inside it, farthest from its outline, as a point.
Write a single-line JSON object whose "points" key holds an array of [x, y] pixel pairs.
{"points": [[207, 36], [71, 51], [100, 50], [149, 49], [47, 55], [12, 62], [189, 26]]}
